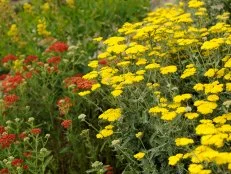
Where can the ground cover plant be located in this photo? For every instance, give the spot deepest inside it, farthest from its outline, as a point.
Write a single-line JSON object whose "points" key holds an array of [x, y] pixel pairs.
{"points": [[155, 97]]}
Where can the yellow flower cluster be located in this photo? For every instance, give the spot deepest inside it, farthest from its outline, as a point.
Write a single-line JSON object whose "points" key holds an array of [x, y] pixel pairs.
{"points": [[111, 115], [189, 71], [106, 132], [183, 141], [13, 32], [27, 7], [157, 56], [41, 28], [139, 155]]}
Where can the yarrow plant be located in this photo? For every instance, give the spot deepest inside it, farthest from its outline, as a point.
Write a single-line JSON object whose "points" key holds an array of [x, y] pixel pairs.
{"points": [[168, 78]]}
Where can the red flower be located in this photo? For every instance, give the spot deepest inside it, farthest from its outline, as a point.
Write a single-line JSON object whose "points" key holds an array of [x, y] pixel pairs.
{"points": [[64, 105], [103, 62], [22, 135], [25, 167], [79, 82], [58, 47], [11, 82], [109, 169], [3, 76], [54, 60], [4, 171], [30, 59], [10, 99], [28, 75], [9, 57], [6, 140], [66, 123], [36, 131], [27, 154], [16, 162], [40, 63]]}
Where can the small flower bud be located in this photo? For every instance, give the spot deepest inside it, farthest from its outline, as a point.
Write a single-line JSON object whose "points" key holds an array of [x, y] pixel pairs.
{"points": [[82, 117], [31, 119], [17, 119]]}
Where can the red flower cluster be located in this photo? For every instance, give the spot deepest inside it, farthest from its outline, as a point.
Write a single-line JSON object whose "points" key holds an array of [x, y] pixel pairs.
{"points": [[22, 135], [9, 57], [66, 123], [10, 99], [4, 171], [36, 131], [6, 140], [3, 76], [27, 154], [64, 105], [30, 59], [54, 60], [103, 62], [58, 47], [109, 170], [79, 82], [16, 162], [11, 82]]}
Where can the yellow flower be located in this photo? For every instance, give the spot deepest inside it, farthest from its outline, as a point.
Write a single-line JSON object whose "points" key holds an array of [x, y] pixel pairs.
{"points": [[216, 140], [18, 65], [211, 72], [111, 115], [116, 49], [139, 155], [45, 7], [103, 55], [168, 69], [93, 64], [41, 28], [197, 169], [84, 93], [13, 32], [199, 87], [152, 66], [109, 127], [105, 133], [195, 4], [168, 116], [91, 75], [139, 135], [123, 63], [27, 7], [205, 107], [183, 97], [113, 40], [180, 110], [140, 72], [206, 129], [141, 61], [212, 44], [95, 86], [213, 98], [228, 87], [173, 160], [183, 141], [98, 39], [136, 49], [117, 92], [71, 3], [189, 71], [191, 115], [228, 64]]}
